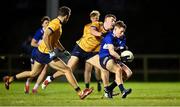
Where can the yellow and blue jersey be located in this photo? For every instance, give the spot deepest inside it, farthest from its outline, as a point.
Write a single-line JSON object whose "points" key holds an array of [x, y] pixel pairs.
{"points": [[56, 27], [89, 42]]}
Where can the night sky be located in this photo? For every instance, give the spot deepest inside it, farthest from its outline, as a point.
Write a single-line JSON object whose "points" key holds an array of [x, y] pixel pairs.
{"points": [[152, 25]]}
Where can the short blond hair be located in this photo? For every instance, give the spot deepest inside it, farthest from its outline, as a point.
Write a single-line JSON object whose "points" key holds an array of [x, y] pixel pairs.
{"points": [[94, 13]]}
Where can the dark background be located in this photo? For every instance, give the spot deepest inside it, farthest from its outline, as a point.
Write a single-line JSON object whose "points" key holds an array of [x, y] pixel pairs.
{"points": [[152, 25]]}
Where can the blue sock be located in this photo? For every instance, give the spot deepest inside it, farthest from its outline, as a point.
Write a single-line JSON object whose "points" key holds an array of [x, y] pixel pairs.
{"points": [[106, 89], [121, 87], [112, 86]]}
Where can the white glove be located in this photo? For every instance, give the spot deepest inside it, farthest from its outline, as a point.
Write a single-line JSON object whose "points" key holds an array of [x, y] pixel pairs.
{"points": [[52, 55]]}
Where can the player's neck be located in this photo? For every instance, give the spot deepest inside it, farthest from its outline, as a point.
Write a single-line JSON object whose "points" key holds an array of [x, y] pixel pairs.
{"points": [[60, 19]]}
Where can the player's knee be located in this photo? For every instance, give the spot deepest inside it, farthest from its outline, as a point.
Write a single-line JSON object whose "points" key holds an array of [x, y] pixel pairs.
{"points": [[118, 70], [68, 69], [129, 74]]}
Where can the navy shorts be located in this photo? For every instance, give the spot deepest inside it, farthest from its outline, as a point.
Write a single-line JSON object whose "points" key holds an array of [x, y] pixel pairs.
{"points": [[81, 54], [104, 60], [40, 57]]}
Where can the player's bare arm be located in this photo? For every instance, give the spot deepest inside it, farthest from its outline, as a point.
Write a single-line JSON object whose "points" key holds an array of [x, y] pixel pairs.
{"points": [[95, 32], [34, 43], [47, 38], [60, 46], [112, 52]]}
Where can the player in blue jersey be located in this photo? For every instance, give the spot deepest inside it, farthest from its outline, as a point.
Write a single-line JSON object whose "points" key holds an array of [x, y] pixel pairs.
{"points": [[110, 59], [35, 43]]}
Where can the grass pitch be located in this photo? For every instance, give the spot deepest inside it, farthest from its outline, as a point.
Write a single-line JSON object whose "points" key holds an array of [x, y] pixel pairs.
{"points": [[62, 94]]}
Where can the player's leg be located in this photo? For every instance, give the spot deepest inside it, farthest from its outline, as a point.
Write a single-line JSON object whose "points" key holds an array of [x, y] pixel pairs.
{"points": [[127, 71], [98, 78], [104, 74], [27, 84], [116, 68], [87, 74], [40, 79], [72, 62], [59, 65], [35, 71]]}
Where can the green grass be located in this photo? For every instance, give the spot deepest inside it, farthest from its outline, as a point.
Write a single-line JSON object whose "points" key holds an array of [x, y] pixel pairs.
{"points": [[62, 94]]}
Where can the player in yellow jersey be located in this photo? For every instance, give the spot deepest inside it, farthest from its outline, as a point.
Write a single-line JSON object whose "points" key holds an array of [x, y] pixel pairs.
{"points": [[88, 45], [45, 54]]}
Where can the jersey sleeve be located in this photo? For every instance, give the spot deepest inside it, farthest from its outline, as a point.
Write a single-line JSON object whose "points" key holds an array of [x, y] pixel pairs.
{"points": [[108, 39], [96, 25], [54, 25], [38, 35]]}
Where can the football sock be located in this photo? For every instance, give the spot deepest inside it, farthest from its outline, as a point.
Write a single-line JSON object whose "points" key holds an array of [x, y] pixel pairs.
{"points": [[27, 82], [99, 81], [78, 89], [113, 85], [121, 87], [36, 86], [52, 78], [106, 89], [14, 77], [87, 85]]}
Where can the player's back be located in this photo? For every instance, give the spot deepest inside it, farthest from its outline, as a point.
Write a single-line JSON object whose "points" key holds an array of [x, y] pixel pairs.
{"points": [[56, 28]]}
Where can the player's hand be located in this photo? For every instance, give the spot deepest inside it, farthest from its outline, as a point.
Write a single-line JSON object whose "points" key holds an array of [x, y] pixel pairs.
{"points": [[66, 53], [103, 34], [121, 49], [124, 58], [52, 55]]}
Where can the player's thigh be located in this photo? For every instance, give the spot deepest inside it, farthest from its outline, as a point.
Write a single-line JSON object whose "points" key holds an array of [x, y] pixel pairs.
{"points": [[72, 62], [94, 61], [97, 69], [37, 68], [59, 65], [88, 67], [112, 66]]}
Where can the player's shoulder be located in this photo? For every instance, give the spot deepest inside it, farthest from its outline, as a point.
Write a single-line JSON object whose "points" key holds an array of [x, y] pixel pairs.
{"points": [[109, 35], [97, 23], [54, 22]]}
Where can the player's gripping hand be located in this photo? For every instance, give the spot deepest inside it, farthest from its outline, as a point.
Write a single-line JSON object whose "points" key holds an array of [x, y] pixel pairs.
{"points": [[52, 55], [124, 58]]}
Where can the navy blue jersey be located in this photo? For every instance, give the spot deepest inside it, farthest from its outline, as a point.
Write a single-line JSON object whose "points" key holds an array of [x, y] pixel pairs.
{"points": [[110, 39], [39, 34]]}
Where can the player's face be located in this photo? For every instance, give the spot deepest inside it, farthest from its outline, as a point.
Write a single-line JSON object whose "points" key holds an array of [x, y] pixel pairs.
{"points": [[111, 21], [95, 18], [118, 32], [66, 19], [45, 23]]}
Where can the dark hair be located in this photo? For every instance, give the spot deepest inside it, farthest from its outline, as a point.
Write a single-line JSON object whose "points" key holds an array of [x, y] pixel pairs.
{"points": [[120, 23], [110, 15], [63, 11], [45, 18]]}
